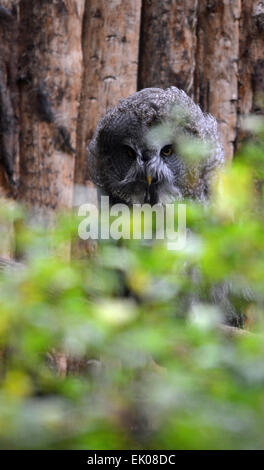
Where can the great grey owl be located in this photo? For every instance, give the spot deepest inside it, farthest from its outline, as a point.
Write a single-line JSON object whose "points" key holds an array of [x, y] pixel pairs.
{"points": [[135, 155]]}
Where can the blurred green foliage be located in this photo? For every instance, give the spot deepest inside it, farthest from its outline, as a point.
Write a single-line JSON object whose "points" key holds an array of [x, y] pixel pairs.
{"points": [[147, 365]]}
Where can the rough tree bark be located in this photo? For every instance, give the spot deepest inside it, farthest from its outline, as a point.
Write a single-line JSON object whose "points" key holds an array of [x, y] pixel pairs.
{"points": [[195, 46], [251, 62], [50, 84], [168, 44], [216, 76], [9, 132], [110, 53]]}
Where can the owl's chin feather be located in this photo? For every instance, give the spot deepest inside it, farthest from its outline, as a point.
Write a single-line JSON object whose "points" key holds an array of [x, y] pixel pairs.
{"points": [[139, 193]]}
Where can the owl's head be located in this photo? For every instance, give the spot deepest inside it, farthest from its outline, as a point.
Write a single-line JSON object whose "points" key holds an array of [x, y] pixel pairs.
{"points": [[156, 146]]}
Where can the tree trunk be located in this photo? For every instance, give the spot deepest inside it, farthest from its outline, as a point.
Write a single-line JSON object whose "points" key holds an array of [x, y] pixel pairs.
{"points": [[216, 84], [110, 52], [50, 85], [9, 132], [168, 44], [251, 62], [195, 46]]}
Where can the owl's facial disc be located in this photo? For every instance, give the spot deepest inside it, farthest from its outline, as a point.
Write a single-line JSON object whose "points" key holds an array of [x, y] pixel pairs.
{"points": [[140, 173]]}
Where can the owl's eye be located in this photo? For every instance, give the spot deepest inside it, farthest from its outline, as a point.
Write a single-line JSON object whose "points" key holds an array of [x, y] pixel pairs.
{"points": [[166, 151], [129, 151]]}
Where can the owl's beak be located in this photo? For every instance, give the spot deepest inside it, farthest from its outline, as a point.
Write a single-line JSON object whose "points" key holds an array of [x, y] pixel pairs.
{"points": [[151, 195], [149, 179]]}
